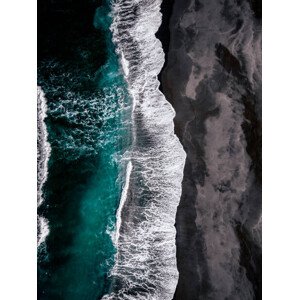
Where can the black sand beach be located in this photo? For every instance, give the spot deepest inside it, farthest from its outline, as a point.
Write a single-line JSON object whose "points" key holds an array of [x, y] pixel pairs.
{"points": [[212, 77]]}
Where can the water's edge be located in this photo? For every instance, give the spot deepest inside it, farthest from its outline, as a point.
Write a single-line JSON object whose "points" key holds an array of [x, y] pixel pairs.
{"points": [[146, 256], [108, 204]]}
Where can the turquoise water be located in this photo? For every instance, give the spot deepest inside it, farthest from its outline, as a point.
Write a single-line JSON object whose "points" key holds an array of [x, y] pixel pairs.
{"points": [[88, 127]]}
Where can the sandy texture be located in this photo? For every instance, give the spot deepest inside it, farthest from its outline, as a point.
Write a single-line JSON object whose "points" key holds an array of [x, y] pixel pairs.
{"points": [[213, 80]]}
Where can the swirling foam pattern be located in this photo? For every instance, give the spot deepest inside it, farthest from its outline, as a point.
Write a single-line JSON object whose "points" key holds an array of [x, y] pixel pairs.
{"points": [[145, 266]]}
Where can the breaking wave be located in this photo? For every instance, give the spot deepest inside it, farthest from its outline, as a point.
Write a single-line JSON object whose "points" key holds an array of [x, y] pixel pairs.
{"points": [[43, 154], [145, 263]]}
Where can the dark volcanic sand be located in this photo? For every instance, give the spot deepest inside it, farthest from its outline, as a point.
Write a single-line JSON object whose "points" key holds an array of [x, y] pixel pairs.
{"points": [[213, 80]]}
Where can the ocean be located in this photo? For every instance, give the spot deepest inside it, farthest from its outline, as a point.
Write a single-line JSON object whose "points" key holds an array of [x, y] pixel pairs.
{"points": [[88, 132], [109, 164]]}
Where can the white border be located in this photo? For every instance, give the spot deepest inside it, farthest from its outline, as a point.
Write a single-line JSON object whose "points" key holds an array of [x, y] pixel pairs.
{"points": [[18, 150], [280, 150]]}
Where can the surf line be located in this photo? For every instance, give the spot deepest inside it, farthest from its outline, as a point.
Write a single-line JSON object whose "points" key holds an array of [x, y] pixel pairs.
{"points": [[122, 202], [125, 67], [43, 155]]}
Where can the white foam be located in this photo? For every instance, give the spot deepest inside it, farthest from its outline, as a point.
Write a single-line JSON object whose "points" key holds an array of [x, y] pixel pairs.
{"points": [[43, 230], [125, 64], [43, 154], [122, 201], [145, 264]]}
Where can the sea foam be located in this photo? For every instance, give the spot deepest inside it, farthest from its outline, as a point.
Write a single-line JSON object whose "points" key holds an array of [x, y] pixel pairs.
{"points": [[121, 204], [43, 154], [145, 263]]}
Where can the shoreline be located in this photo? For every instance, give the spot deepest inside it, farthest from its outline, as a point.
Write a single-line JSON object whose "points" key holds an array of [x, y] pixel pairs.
{"points": [[147, 233], [163, 34]]}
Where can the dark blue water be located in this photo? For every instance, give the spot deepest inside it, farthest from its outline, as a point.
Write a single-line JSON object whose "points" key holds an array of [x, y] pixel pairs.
{"points": [[88, 125]]}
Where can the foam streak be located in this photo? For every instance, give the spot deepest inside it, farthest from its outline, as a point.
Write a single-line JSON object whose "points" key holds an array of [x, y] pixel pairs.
{"points": [[122, 202]]}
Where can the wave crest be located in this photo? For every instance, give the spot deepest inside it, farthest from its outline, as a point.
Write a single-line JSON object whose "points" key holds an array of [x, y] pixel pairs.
{"points": [[43, 154]]}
